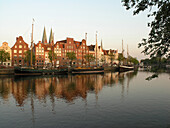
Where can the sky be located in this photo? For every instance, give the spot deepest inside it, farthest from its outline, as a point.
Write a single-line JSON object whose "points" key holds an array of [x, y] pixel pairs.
{"points": [[74, 18]]}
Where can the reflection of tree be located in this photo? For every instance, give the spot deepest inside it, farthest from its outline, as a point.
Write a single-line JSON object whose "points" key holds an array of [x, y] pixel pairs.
{"points": [[4, 88]]}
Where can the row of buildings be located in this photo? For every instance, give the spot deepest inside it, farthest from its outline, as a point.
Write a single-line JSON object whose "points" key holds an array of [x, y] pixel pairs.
{"points": [[60, 48]]}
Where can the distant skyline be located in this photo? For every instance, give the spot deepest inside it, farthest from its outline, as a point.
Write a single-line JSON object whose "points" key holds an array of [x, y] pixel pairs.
{"points": [[74, 18]]}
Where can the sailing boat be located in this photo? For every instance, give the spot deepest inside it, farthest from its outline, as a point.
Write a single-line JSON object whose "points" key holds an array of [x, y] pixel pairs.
{"points": [[124, 68]]}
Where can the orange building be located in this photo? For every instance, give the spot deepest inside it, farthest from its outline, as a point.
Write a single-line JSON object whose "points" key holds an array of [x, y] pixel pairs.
{"points": [[18, 50]]}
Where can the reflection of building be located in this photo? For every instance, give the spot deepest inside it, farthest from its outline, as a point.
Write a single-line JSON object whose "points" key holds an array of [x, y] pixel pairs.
{"points": [[64, 87], [6, 48], [18, 52]]}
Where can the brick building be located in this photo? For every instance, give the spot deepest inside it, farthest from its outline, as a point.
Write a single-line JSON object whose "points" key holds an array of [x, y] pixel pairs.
{"points": [[41, 50], [18, 50], [61, 48]]}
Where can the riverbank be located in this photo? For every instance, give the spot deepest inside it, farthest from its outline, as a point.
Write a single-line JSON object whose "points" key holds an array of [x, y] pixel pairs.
{"points": [[7, 71]]}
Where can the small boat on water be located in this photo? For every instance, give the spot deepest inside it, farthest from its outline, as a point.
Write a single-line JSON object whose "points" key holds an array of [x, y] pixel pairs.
{"points": [[123, 68], [31, 71], [87, 70]]}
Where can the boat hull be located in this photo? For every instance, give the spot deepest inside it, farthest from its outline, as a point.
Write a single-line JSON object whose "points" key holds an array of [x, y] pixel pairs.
{"points": [[125, 68], [20, 71], [88, 71]]}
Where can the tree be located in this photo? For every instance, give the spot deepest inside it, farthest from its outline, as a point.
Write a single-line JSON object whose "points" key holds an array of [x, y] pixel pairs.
{"points": [[120, 58], [27, 57], [103, 59], [89, 58], [133, 60], [4, 56], [111, 57], [52, 56], [159, 37], [71, 56]]}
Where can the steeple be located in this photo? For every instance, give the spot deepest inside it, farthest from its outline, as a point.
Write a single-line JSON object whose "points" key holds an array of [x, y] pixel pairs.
{"points": [[51, 40], [101, 45], [44, 39]]}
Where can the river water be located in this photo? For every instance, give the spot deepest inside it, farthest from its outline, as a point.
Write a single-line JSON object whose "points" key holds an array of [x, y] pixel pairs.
{"points": [[124, 100]]}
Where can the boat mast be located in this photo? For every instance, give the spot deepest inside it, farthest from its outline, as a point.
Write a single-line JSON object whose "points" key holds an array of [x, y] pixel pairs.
{"points": [[122, 48], [127, 51], [32, 40], [96, 48]]}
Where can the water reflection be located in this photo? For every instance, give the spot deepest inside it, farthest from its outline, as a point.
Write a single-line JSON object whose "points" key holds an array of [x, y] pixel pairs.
{"points": [[63, 87]]}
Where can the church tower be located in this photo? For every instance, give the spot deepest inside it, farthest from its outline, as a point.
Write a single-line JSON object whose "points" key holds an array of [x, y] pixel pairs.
{"points": [[51, 40], [44, 39]]}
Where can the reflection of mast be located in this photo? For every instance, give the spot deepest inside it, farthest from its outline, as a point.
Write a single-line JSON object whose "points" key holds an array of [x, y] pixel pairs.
{"points": [[128, 81], [32, 103]]}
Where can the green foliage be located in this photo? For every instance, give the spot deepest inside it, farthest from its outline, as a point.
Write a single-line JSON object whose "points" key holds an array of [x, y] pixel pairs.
{"points": [[133, 60], [52, 55], [89, 58], [111, 57], [120, 58], [27, 57], [103, 59], [4, 56], [154, 60], [71, 56], [159, 37]]}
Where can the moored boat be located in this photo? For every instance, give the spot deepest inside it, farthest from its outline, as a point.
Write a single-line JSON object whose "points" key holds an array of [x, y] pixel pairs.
{"points": [[31, 71], [87, 70], [123, 68]]}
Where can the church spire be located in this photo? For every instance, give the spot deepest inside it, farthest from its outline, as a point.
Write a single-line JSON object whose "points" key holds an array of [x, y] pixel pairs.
{"points": [[51, 40], [44, 39]]}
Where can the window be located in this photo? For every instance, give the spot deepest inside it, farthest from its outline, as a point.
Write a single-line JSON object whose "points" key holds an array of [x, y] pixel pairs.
{"points": [[20, 51], [48, 48], [20, 41], [70, 42], [20, 46], [15, 46], [15, 51], [24, 46]]}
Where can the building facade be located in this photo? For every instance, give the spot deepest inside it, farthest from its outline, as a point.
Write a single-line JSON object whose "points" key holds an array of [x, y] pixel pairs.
{"points": [[6, 48], [60, 49], [18, 52]]}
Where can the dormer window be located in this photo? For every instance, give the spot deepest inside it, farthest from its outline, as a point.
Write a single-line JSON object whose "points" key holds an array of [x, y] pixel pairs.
{"points": [[20, 41]]}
